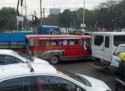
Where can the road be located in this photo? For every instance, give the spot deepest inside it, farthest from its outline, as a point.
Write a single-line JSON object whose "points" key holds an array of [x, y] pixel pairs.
{"points": [[89, 69]]}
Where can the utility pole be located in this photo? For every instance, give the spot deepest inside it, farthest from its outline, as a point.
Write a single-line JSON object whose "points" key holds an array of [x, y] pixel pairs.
{"points": [[17, 11], [44, 14], [83, 13], [40, 12], [25, 15]]}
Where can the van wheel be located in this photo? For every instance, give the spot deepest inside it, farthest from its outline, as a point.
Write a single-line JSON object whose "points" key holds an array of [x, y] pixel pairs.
{"points": [[97, 61], [54, 60]]}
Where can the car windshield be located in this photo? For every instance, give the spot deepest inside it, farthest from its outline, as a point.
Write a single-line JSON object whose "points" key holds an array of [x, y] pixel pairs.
{"points": [[74, 76], [23, 56], [119, 50]]}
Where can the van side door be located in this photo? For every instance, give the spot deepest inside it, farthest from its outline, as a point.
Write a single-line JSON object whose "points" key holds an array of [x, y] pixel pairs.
{"points": [[98, 46], [107, 48]]}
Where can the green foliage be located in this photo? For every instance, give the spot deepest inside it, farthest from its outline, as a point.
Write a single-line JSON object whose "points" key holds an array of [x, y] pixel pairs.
{"points": [[7, 18], [109, 15]]}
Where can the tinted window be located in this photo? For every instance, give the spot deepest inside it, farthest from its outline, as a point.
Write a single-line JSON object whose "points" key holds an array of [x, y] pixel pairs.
{"points": [[107, 41], [5, 59], [98, 40], [119, 40], [2, 62], [10, 60], [51, 83], [17, 84]]}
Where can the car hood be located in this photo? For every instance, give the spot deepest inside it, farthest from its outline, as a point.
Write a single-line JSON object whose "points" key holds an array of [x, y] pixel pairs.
{"points": [[38, 60], [97, 85]]}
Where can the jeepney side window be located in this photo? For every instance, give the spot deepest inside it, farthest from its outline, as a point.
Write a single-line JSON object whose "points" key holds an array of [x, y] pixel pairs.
{"points": [[31, 42], [53, 43], [119, 40], [42, 43], [47, 43], [75, 41], [98, 40], [107, 42], [35, 42], [81, 42]]}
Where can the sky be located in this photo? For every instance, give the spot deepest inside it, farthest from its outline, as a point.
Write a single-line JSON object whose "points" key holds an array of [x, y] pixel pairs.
{"points": [[34, 5]]}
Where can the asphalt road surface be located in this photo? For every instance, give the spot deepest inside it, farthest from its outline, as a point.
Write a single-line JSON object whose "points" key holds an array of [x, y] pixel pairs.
{"points": [[89, 69]]}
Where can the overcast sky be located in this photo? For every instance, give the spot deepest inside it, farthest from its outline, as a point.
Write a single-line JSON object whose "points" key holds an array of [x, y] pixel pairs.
{"points": [[33, 5]]}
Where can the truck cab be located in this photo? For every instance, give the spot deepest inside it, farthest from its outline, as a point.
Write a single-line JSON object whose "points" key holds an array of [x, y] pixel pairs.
{"points": [[48, 29]]}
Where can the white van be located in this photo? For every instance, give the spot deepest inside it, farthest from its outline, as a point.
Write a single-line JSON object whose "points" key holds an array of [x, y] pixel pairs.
{"points": [[115, 58], [104, 44]]}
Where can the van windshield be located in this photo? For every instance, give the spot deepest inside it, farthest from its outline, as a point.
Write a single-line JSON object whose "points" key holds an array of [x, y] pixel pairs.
{"points": [[119, 50]]}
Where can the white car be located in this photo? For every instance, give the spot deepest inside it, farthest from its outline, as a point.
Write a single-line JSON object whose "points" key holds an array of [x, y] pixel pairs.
{"points": [[45, 77], [10, 57]]}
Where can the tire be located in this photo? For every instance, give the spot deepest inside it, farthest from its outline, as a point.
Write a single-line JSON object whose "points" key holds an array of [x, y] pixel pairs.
{"points": [[54, 60]]}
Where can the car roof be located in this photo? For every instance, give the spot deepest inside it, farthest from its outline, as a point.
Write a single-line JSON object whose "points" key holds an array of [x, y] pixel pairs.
{"points": [[6, 51], [22, 69]]}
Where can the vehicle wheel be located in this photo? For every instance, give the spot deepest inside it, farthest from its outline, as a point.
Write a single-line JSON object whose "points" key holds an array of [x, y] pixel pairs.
{"points": [[120, 88], [54, 60], [96, 61]]}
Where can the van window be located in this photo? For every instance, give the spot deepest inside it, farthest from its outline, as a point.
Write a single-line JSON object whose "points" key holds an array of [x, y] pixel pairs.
{"points": [[107, 42], [98, 40], [119, 39]]}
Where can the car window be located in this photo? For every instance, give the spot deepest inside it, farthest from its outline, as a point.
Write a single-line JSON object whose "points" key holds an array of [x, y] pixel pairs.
{"points": [[2, 62], [17, 84], [52, 83], [11, 60]]}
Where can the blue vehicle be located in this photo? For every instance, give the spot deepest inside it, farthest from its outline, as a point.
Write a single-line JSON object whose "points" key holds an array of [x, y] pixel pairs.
{"points": [[16, 40], [48, 29]]}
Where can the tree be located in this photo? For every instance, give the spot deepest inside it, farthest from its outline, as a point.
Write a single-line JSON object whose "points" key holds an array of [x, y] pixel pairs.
{"points": [[7, 18]]}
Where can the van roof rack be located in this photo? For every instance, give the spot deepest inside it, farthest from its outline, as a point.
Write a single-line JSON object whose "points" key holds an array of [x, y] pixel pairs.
{"points": [[30, 66]]}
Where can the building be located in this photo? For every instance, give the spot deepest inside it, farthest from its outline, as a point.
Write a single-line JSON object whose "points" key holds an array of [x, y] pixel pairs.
{"points": [[54, 11]]}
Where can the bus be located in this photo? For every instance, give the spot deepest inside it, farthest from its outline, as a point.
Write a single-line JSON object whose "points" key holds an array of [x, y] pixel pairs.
{"points": [[56, 48]]}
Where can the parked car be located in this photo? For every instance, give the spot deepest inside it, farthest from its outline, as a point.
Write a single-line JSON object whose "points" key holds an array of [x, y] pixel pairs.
{"points": [[45, 77], [9, 57]]}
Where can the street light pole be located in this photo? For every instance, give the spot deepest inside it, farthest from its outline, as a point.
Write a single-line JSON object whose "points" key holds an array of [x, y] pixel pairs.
{"points": [[40, 12], [44, 15], [83, 13]]}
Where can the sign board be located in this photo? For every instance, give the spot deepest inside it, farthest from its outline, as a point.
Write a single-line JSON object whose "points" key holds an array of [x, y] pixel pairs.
{"points": [[20, 18], [83, 25]]}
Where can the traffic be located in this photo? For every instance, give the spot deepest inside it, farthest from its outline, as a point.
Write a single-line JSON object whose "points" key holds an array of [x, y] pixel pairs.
{"points": [[58, 45]]}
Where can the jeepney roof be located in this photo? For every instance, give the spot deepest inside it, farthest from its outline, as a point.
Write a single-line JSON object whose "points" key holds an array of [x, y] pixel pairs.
{"points": [[58, 36]]}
